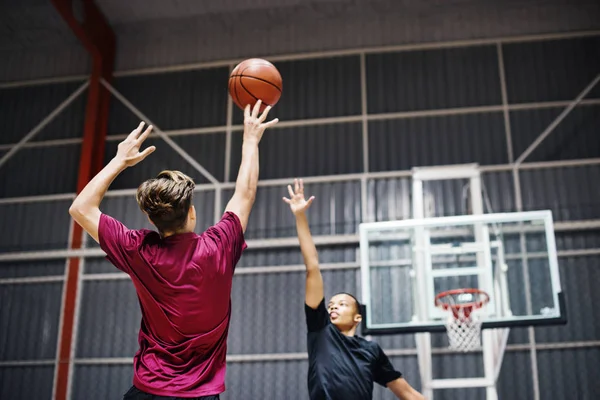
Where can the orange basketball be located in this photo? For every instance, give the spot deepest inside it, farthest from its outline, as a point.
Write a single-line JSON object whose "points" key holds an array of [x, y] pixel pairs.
{"points": [[255, 79]]}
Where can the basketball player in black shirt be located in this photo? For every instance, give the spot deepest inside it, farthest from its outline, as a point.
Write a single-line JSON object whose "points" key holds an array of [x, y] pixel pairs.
{"points": [[341, 365]]}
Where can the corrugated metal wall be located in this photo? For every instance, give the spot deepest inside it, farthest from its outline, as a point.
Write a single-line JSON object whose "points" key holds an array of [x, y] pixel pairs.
{"points": [[423, 107]]}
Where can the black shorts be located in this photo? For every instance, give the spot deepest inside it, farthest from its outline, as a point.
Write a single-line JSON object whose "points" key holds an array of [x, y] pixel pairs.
{"points": [[136, 394]]}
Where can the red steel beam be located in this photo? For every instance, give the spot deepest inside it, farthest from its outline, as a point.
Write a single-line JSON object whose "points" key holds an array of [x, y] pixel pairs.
{"points": [[96, 35]]}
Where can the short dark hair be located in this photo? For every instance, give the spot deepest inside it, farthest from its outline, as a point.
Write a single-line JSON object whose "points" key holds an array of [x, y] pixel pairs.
{"points": [[358, 305], [167, 199]]}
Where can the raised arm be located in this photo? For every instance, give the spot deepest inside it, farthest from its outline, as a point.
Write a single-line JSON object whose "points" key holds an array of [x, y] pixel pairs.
{"points": [[245, 186], [314, 280], [85, 209]]}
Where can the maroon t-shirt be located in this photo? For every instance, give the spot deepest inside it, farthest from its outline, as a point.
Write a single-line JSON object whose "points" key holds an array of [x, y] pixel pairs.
{"points": [[183, 283]]}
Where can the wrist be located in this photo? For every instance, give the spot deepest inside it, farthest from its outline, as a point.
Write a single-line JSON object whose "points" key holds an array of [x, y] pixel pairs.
{"points": [[118, 163], [250, 140]]}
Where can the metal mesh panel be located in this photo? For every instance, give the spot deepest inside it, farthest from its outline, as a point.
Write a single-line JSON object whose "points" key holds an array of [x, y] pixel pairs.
{"points": [[21, 109], [400, 144], [31, 382], [207, 149], [29, 311], [54, 171], [293, 256], [571, 193], [336, 210], [267, 380], [572, 373], [551, 70], [109, 319], [27, 232], [268, 314], [305, 151], [101, 382], [19, 269], [433, 79], [575, 137], [579, 277], [188, 99]]}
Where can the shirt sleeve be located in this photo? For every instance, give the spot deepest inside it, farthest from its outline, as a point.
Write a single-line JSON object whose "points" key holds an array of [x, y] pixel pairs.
{"points": [[384, 371], [316, 319], [118, 242], [228, 237]]}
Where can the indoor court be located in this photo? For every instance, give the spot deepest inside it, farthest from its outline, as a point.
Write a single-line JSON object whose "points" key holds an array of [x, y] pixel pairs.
{"points": [[453, 149]]}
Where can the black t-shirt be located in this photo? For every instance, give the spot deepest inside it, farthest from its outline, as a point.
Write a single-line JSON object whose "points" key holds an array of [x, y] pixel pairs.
{"points": [[342, 367]]}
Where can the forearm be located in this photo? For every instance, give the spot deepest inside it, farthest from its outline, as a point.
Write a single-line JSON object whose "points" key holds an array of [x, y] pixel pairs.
{"points": [[247, 179], [307, 244], [314, 280], [92, 194]]}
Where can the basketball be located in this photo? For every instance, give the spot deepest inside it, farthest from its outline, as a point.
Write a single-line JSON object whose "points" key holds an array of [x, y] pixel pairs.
{"points": [[255, 79]]}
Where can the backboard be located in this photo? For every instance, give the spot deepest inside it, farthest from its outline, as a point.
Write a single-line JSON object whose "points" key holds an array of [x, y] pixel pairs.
{"points": [[511, 256]]}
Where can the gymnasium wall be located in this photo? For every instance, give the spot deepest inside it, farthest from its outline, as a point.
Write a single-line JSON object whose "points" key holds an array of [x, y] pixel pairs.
{"points": [[352, 125]]}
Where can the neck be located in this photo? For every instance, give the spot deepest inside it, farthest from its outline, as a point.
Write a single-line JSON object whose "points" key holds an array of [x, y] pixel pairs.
{"points": [[348, 331], [167, 234]]}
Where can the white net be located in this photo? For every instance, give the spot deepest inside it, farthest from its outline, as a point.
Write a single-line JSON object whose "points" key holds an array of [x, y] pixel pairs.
{"points": [[466, 311], [464, 332]]}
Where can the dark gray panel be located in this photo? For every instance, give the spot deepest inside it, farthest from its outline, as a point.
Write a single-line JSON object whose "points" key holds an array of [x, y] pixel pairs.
{"points": [[499, 190], [27, 232], [577, 240], [126, 210], [389, 199], [293, 256], [317, 88], [23, 383], [178, 100], [21, 109], [579, 279], [101, 382], [575, 137], [268, 310], [335, 210], [571, 193], [206, 149], [267, 380], [433, 79], [40, 170], [109, 319], [551, 70], [29, 311], [515, 381], [400, 144], [18, 269], [305, 151], [569, 374]]}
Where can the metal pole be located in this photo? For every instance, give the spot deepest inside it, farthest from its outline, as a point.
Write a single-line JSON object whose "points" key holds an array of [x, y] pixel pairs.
{"points": [[557, 121], [43, 123], [160, 133]]}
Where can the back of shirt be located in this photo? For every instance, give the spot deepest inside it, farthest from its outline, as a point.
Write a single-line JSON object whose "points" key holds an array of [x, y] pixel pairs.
{"points": [[183, 283]]}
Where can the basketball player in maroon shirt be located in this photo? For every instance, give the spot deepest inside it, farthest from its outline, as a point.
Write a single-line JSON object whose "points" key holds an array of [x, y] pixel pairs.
{"points": [[182, 279]]}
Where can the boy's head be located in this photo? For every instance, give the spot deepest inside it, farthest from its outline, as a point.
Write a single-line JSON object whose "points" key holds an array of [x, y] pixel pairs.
{"points": [[344, 311], [167, 200]]}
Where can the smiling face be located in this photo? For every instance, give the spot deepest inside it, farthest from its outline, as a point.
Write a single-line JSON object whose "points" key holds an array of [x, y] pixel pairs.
{"points": [[344, 312]]}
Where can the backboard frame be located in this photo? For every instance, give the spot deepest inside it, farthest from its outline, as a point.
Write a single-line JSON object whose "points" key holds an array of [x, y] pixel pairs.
{"points": [[466, 220]]}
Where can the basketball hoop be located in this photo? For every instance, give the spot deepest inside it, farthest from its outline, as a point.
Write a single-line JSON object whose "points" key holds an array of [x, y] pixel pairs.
{"points": [[465, 317]]}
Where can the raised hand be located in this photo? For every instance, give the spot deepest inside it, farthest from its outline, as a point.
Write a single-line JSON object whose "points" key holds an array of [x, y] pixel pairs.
{"points": [[254, 126], [128, 150], [298, 204]]}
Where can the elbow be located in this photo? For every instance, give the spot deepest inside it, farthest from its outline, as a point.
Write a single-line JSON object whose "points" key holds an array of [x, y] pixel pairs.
{"points": [[75, 210]]}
